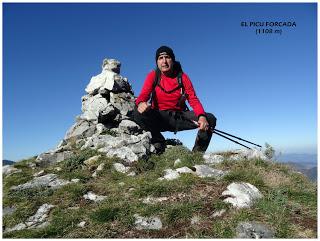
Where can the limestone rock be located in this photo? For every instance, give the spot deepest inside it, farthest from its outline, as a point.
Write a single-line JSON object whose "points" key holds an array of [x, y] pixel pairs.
{"points": [[195, 220], [170, 175], [241, 195], [129, 127], [218, 213], [81, 224], [177, 162], [8, 170], [184, 170], [99, 169], [80, 129], [92, 160], [152, 200], [127, 147], [206, 171], [93, 197], [38, 174], [121, 168], [253, 230], [211, 158], [144, 223], [49, 180], [36, 221], [48, 158], [248, 154]]}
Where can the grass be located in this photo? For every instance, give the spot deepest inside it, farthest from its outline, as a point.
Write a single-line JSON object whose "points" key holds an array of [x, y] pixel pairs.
{"points": [[289, 203]]}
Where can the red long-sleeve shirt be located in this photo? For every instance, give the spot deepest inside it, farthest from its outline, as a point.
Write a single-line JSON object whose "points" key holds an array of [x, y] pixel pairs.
{"points": [[169, 101]]}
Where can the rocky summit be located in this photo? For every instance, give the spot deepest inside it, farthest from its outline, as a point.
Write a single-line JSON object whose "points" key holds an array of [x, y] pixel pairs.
{"points": [[104, 180]]}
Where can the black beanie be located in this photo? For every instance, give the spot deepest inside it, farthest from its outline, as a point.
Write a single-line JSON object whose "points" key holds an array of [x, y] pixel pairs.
{"points": [[167, 50]]}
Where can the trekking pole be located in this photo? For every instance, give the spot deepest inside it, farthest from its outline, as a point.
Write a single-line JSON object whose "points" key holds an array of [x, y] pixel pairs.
{"points": [[230, 139], [215, 130], [218, 132]]}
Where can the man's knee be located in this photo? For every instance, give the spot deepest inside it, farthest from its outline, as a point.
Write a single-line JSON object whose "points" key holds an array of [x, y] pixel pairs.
{"points": [[211, 119]]}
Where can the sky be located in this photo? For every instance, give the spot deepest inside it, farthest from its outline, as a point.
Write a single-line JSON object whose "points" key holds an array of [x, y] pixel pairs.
{"points": [[261, 87]]}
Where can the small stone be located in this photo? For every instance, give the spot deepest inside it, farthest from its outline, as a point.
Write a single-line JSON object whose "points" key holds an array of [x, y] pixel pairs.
{"points": [[58, 169], [92, 160], [81, 224], [120, 167], [121, 183], [218, 213], [152, 200], [75, 180], [144, 223], [195, 220], [38, 174], [170, 175], [253, 230], [177, 162], [93, 197], [131, 174], [206, 171], [184, 170]]}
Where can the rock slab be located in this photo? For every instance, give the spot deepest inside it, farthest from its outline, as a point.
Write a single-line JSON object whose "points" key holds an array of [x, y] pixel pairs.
{"points": [[241, 195]]}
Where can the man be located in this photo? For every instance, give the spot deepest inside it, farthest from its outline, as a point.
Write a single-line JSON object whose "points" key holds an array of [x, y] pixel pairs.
{"points": [[167, 111]]}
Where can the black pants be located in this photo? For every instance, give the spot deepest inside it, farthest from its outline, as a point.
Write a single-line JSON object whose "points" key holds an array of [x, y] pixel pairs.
{"points": [[157, 121]]}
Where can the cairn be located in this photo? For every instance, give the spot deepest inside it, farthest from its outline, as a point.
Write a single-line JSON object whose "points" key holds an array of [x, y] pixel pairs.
{"points": [[105, 123]]}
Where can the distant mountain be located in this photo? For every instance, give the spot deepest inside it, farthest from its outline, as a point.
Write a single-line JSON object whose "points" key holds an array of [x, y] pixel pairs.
{"points": [[298, 158], [304, 163], [7, 162]]}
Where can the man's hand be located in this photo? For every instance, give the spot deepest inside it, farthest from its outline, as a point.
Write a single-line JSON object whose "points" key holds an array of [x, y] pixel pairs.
{"points": [[203, 123], [143, 106]]}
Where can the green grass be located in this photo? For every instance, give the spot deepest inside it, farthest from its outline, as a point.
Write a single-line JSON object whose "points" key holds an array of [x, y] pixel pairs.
{"points": [[284, 206]]}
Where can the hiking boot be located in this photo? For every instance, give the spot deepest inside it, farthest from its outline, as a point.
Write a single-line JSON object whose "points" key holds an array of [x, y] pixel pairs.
{"points": [[160, 147]]}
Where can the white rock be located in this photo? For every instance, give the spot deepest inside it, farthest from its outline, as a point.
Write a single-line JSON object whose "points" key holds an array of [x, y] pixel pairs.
{"points": [[152, 200], [206, 171], [19, 226], [38, 220], [184, 170], [242, 194], [195, 220], [39, 173], [248, 154], [8, 170], [49, 180], [81, 224], [250, 230], [218, 213], [93, 197], [75, 180], [58, 169], [170, 175], [131, 174], [104, 80], [151, 223], [177, 162], [211, 158], [91, 160], [129, 127], [40, 216], [119, 167]]}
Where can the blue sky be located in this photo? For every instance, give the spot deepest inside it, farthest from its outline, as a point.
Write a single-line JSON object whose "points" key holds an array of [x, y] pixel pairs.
{"points": [[262, 88]]}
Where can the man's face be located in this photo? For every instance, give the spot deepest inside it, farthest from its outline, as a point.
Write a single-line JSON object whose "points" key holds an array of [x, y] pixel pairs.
{"points": [[165, 63]]}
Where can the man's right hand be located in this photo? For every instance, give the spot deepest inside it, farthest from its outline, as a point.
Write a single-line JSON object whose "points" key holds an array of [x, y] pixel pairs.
{"points": [[143, 106]]}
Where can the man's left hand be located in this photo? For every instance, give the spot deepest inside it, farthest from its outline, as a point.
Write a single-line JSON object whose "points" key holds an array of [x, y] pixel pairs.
{"points": [[203, 123]]}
